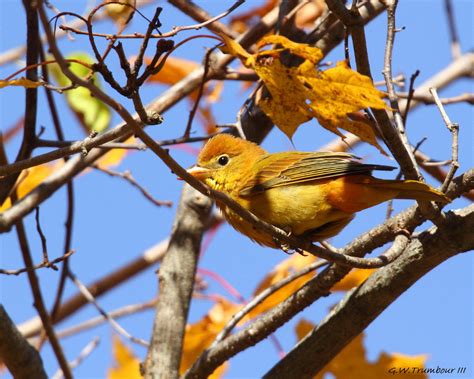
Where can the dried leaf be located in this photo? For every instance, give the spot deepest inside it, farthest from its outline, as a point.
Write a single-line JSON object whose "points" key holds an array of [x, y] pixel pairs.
{"points": [[201, 334], [299, 93], [353, 279], [126, 365], [22, 82], [295, 263], [352, 359], [93, 114], [173, 70], [115, 156], [30, 179]]}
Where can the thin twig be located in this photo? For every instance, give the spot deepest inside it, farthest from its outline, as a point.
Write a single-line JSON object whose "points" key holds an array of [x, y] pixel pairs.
{"points": [[49, 264], [127, 175], [192, 113], [85, 352], [39, 302], [258, 299], [116, 313], [114, 324], [411, 91], [428, 99], [454, 129], [43, 241], [453, 34], [387, 73], [171, 33]]}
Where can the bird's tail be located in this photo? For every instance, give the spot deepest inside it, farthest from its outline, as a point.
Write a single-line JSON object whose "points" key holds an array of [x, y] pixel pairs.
{"points": [[412, 189]]}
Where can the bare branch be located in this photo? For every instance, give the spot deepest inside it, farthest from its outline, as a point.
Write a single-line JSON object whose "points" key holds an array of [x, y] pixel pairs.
{"points": [[454, 129], [88, 349], [127, 176], [363, 304], [114, 324], [22, 360], [176, 281]]}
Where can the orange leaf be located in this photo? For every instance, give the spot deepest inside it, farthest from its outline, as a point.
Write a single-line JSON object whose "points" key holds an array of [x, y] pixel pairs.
{"points": [[352, 359], [30, 179], [127, 365], [353, 279], [173, 70], [201, 334], [115, 156], [281, 271]]}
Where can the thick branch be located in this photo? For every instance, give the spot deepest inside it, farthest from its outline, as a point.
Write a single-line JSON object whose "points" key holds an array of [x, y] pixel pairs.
{"points": [[364, 303], [21, 359], [176, 280]]}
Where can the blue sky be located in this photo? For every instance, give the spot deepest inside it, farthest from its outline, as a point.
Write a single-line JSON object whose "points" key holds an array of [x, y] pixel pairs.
{"points": [[114, 223]]}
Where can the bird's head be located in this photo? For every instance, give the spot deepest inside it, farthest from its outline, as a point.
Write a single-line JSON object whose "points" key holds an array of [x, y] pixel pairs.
{"points": [[225, 158]]}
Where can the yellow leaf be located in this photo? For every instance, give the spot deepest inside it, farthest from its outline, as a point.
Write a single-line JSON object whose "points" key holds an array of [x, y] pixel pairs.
{"points": [[30, 179], [234, 48], [127, 365], [353, 279], [300, 93], [352, 359], [201, 334], [91, 112], [295, 263], [115, 156], [22, 82]]}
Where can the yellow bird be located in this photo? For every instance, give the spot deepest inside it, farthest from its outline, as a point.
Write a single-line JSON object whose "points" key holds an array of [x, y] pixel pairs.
{"points": [[310, 194]]}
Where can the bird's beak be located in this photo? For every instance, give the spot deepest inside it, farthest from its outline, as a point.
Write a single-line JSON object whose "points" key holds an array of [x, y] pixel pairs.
{"points": [[198, 172]]}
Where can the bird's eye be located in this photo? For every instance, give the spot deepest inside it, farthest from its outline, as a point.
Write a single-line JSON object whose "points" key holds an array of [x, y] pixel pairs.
{"points": [[223, 160]]}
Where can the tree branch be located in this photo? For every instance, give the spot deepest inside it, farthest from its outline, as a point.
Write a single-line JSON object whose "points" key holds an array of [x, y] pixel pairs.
{"points": [[176, 281], [363, 304], [21, 359]]}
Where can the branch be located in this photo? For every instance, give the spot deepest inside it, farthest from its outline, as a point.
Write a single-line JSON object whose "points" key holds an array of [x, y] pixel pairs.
{"points": [[31, 96], [363, 304], [176, 281], [22, 360]]}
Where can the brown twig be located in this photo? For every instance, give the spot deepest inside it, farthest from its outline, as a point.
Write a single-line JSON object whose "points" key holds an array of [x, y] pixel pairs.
{"points": [[409, 168], [31, 97], [39, 302], [171, 33], [454, 129], [411, 91], [193, 111], [428, 99], [48, 264], [127, 176], [44, 247], [453, 34]]}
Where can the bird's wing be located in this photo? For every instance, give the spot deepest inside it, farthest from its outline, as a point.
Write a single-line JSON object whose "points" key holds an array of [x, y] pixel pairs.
{"points": [[282, 169]]}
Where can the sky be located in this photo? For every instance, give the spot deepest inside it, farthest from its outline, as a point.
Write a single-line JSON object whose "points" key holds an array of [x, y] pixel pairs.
{"points": [[114, 223]]}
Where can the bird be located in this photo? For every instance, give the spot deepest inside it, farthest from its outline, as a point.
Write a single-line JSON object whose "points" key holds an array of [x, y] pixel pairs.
{"points": [[312, 195]]}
